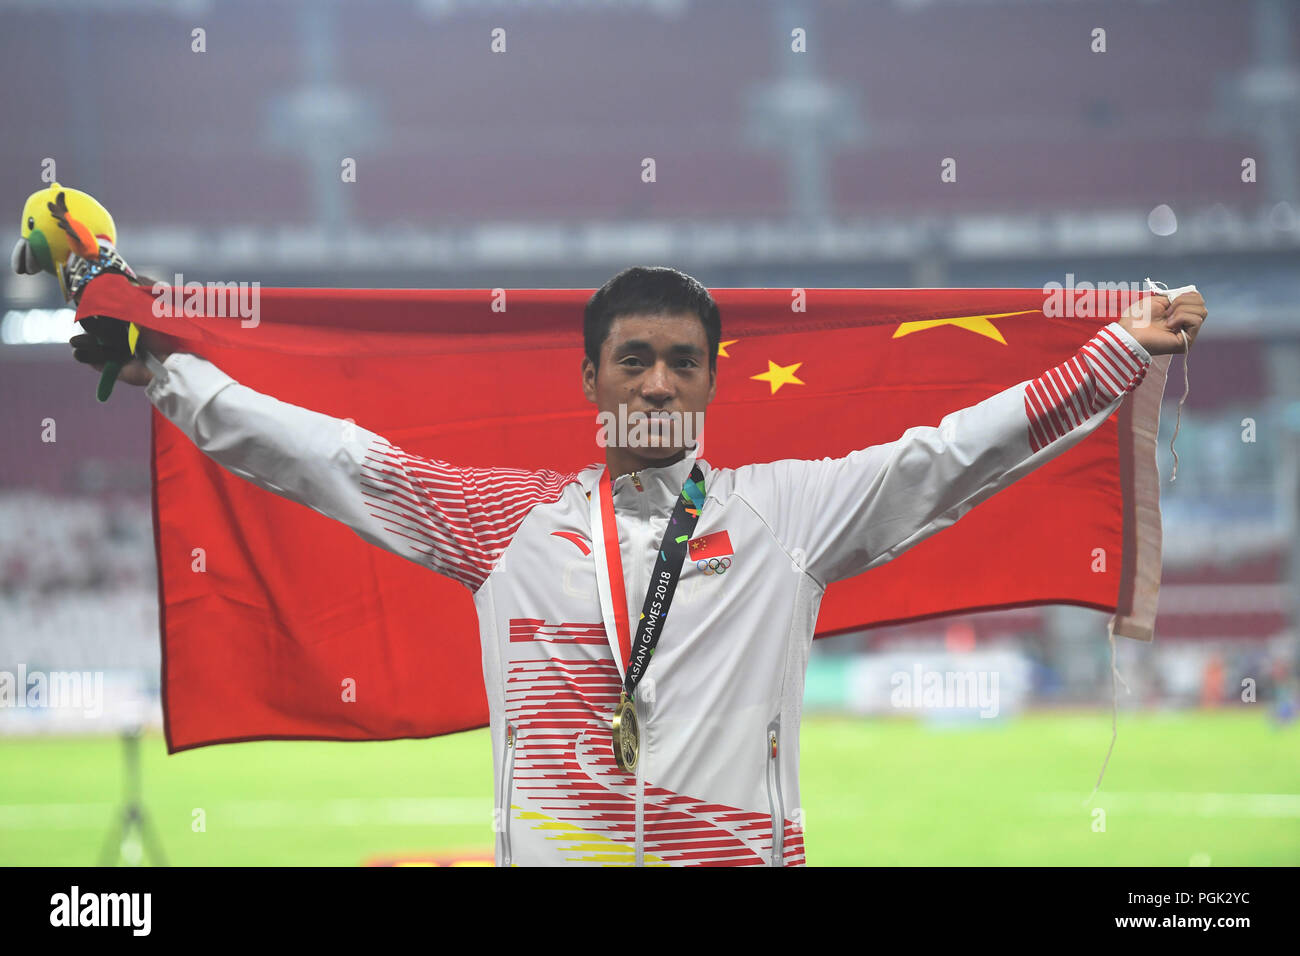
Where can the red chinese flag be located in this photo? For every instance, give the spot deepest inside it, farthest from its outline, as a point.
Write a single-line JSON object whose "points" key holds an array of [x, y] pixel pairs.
{"points": [[253, 648], [715, 545]]}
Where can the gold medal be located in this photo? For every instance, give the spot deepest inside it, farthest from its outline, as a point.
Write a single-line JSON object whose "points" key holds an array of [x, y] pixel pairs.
{"points": [[627, 734]]}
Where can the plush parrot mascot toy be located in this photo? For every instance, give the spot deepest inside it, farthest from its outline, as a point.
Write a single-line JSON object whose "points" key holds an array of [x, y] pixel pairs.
{"points": [[67, 233]]}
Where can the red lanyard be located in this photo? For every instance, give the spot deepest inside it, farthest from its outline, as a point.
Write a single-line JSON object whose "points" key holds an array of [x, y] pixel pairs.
{"points": [[614, 560]]}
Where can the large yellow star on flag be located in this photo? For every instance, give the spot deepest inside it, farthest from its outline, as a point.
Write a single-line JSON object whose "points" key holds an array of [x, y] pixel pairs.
{"points": [[979, 324], [778, 375], [722, 347]]}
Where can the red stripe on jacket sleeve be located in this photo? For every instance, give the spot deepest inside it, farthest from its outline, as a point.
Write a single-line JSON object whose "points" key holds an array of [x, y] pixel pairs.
{"points": [[459, 519], [1062, 398]]}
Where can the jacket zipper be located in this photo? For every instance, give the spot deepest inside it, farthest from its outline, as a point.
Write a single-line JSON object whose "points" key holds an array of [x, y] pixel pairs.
{"points": [[640, 805], [640, 763], [774, 794], [508, 788]]}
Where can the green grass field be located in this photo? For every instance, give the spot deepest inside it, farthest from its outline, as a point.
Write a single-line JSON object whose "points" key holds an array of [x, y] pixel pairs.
{"points": [[1212, 788]]}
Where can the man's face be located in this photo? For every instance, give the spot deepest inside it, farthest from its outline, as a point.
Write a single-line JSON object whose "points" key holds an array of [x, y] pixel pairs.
{"points": [[654, 364]]}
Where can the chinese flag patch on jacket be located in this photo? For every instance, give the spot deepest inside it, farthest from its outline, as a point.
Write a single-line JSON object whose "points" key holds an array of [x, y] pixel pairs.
{"points": [[715, 545]]}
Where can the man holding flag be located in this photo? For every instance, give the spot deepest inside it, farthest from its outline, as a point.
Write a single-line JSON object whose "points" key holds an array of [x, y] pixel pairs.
{"points": [[623, 733]]}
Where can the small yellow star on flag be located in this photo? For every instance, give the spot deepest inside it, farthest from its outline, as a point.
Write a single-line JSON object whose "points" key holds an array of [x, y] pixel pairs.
{"points": [[722, 347], [978, 324], [778, 375]]}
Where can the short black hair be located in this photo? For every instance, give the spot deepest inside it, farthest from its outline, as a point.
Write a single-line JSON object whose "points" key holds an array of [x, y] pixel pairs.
{"points": [[647, 290]]}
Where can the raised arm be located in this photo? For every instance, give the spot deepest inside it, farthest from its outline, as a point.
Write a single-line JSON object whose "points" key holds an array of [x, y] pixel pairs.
{"points": [[454, 520], [848, 515]]}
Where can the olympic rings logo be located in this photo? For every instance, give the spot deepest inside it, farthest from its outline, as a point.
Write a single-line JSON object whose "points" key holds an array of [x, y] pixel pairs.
{"points": [[713, 565]]}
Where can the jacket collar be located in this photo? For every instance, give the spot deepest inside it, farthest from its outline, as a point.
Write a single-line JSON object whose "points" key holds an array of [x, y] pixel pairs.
{"points": [[661, 482]]}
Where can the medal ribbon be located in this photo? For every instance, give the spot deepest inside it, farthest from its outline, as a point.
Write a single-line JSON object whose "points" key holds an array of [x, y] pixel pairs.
{"points": [[663, 581]]}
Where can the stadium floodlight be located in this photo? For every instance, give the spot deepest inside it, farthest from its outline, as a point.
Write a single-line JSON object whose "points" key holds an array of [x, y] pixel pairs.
{"points": [[444, 8], [36, 326], [179, 8]]}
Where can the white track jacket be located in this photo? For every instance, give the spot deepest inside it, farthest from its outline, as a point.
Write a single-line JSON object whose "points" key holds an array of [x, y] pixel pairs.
{"points": [[718, 778]]}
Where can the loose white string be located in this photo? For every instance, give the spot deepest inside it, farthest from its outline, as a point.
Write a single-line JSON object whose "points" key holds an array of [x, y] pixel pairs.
{"points": [[1114, 707], [1187, 388], [1115, 675], [1161, 289]]}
